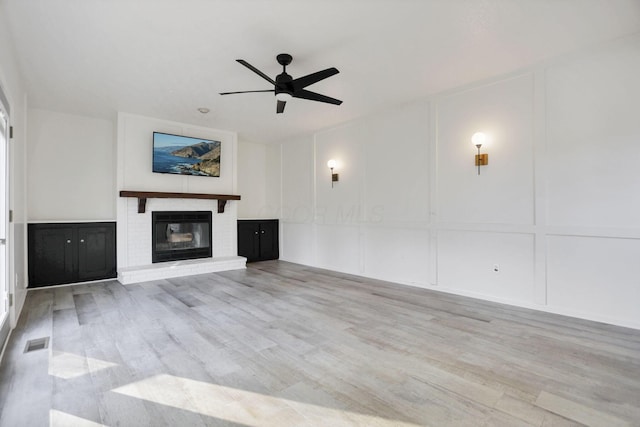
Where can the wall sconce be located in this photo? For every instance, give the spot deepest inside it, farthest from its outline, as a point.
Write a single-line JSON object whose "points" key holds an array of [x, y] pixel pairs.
{"points": [[478, 139], [334, 176]]}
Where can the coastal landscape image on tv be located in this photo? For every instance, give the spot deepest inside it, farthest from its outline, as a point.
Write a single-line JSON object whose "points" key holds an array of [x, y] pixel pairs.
{"points": [[185, 155]]}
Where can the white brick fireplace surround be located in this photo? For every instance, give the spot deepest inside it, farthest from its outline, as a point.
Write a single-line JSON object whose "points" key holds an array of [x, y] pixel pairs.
{"points": [[135, 173], [134, 241]]}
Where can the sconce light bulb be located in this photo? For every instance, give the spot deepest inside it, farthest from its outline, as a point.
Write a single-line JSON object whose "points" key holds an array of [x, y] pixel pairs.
{"points": [[331, 164], [478, 138]]}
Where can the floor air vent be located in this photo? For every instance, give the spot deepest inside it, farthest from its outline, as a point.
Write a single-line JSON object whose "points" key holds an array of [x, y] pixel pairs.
{"points": [[37, 344]]}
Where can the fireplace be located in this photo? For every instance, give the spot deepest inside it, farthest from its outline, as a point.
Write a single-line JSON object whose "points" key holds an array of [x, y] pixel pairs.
{"points": [[179, 235]]}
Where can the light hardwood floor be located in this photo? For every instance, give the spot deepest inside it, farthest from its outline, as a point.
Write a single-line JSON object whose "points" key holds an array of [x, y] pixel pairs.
{"points": [[281, 344]]}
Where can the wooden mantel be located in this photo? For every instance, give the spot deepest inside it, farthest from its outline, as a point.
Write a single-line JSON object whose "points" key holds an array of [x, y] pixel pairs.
{"points": [[144, 195]]}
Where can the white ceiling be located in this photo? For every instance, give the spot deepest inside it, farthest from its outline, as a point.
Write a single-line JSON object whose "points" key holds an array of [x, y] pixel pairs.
{"points": [[166, 58]]}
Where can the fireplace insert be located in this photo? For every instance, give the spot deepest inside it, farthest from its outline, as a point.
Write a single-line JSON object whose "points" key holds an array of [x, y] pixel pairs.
{"points": [[181, 235]]}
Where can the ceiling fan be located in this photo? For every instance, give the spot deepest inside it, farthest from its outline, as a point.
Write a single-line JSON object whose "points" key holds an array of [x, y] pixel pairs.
{"points": [[286, 87]]}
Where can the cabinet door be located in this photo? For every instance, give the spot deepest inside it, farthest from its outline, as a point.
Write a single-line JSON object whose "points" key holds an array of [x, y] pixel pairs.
{"points": [[249, 240], [51, 255], [269, 240], [96, 252]]}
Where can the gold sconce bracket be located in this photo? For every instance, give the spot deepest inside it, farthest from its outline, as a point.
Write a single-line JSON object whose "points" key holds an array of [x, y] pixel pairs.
{"points": [[478, 139], [334, 176], [482, 159]]}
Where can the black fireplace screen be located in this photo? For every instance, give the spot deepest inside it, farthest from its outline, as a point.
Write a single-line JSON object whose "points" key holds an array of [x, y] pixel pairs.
{"points": [[181, 235]]}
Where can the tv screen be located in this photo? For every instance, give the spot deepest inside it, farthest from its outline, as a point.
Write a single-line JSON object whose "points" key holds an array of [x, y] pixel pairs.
{"points": [[184, 155]]}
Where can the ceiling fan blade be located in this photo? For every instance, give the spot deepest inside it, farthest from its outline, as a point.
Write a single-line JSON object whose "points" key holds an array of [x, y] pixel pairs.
{"points": [[247, 91], [280, 107], [304, 81], [255, 70], [307, 94]]}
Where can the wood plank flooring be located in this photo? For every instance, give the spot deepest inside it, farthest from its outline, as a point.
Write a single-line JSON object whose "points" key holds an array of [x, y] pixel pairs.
{"points": [[281, 344]]}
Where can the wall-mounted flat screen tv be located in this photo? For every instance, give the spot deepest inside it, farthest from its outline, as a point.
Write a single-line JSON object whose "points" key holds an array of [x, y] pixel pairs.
{"points": [[184, 155]]}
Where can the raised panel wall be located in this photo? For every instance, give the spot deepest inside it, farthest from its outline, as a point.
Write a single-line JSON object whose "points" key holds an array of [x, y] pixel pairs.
{"points": [[467, 261], [557, 208], [503, 192], [593, 139], [590, 276]]}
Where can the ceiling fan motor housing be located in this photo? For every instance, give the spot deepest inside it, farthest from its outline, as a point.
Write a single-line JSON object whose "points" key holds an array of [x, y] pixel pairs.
{"points": [[283, 83]]}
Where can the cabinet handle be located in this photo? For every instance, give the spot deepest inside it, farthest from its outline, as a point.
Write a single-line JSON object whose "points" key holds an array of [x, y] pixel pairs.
{"points": [[262, 231], [81, 240], [256, 232], [68, 241]]}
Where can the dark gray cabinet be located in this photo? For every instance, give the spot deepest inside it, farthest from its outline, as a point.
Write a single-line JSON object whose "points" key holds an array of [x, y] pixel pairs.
{"points": [[258, 239], [71, 252]]}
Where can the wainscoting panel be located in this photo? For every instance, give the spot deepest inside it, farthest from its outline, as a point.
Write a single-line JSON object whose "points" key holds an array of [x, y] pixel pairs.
{"points": [[595, 276], [467, 261], [297, 242], [339, 248], [397, 254]]}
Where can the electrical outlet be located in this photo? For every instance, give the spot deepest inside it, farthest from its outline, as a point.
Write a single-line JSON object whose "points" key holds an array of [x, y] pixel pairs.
{"points": [[496, 268]]}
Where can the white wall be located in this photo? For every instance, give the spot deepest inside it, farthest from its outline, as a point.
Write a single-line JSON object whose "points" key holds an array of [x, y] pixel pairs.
{"points": [[253, 180], [71, 164], [297, 229], [556, 211], [13, 87], [252, 177], [273, 187], [135, 139]]}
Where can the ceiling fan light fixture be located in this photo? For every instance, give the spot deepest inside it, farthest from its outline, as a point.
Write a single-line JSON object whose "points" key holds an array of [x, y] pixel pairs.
{"points": [[286, 87], [283, 96]]}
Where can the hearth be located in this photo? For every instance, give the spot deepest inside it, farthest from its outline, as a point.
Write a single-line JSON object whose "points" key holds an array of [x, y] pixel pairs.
{"points": [[180, 235]]}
